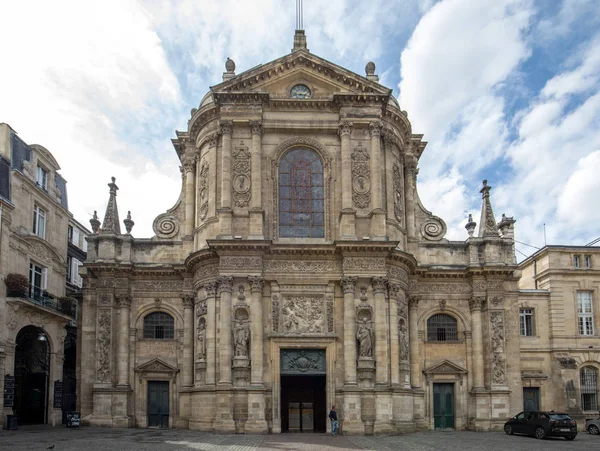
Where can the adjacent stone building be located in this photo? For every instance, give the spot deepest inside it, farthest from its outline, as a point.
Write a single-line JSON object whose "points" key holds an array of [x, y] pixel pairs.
{"points": [[297, 270], [35, 315], [559, 305]]}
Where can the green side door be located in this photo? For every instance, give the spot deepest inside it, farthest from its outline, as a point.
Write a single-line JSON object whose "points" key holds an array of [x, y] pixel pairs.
{"points": [[443, 406]]}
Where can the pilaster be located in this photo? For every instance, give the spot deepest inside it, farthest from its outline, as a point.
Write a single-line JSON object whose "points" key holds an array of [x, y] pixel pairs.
{"points": [[348, 214], [225, 212], [378, 229], [415, 363], [256, 208], [188, 340]]}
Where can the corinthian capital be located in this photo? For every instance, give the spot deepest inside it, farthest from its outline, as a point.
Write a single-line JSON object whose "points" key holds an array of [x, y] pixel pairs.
{"points": [[255, 127], [345, 128], [225, 284], [413, 302], [379, 284], [476, 303], [394, 290], [188, 164], [226, 127], [375, 129], [256, 283], [188, 300], [349, 284], [123, 300], [211, 289]]}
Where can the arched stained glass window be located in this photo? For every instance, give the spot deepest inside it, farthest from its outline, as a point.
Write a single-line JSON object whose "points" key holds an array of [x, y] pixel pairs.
{"points": [[301, 195], [159, 325], [441, 327]]}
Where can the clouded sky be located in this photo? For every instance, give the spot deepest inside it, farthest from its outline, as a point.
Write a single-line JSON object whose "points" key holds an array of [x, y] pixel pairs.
{"points": [[507, 90]]}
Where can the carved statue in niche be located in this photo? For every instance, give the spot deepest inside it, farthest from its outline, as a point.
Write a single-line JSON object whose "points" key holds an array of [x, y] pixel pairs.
{"points": [[241, 337], [403, 340], [364, 335], [201, 339]]}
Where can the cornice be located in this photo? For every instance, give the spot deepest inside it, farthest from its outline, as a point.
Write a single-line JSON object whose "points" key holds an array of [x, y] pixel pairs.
{"points": [[362, 247], [200, 256]]}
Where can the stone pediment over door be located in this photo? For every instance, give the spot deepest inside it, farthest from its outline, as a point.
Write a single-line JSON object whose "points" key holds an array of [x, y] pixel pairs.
{"points": [[156, 366], [445, 367], [279, 75]]}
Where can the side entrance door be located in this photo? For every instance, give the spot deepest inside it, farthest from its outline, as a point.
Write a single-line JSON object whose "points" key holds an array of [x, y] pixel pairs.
{"points": [[531, 399], [158, 404], [443, 406]]}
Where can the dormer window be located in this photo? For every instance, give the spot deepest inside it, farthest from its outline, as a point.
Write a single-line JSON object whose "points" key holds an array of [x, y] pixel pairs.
{"points": [[41, 178]]}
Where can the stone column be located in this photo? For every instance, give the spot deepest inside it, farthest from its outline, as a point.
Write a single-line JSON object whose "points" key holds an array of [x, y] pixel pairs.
{"points": [[415, 362], [256, 213], [349, 287], [211, 332], [352, 413], [378, 215], [189, 166], [381, 331], [124, 303], [225, 344], [347, 223], [256, 423], [475, 304], [226, 128], [224, 412], [410, 179], [188, 340], [394, 290]]}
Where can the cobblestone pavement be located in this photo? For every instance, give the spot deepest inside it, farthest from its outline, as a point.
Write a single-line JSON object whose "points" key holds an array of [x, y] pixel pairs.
{"points": [[33, 438]]}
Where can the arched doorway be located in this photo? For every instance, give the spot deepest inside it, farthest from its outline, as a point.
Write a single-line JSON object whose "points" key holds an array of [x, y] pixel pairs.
{"points": [[32, 369]]}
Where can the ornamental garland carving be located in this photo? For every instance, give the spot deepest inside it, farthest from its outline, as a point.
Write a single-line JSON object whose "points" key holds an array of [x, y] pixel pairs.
{"points": [[303, 314], [295, 266], [158, 285], [394, 272], [103, 346], [302, 288], [40, 252], [498, 368], [275, 312], [361, 177], [448, 288], [329, 302], [235, 262], [364, 263], [242, 176], [203, 190], [398, 193]]}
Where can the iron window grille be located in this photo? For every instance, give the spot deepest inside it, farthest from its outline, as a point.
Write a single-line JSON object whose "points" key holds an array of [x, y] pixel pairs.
{"points": [[589, 388], [441, 327], [159, 325]]}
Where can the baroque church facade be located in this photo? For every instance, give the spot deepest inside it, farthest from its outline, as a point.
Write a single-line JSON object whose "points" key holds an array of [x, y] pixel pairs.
{"points": [[299, 270]]}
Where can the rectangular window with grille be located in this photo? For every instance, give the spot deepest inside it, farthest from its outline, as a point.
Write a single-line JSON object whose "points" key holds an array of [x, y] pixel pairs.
{"points": [[526, 316], [585, 313], [589, 388], [441, 327]]}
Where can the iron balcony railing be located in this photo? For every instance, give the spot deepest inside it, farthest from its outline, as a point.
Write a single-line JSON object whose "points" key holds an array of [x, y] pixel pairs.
{"points": [[42, 298]]}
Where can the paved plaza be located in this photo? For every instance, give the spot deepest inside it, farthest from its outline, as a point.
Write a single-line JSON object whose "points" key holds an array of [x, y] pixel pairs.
{"points": [[34, 438]]}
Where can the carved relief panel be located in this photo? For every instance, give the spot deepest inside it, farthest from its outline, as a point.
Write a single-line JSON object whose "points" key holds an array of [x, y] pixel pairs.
{"points": [[103, 343], [361, 177], [203, 189], [302, 312], [241, 176], [398, 193], [498, 360]]}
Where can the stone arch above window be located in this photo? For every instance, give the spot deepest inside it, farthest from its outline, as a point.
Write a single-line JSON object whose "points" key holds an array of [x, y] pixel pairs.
{"points": [[588, 384], [301, 194], [442, 327], [159, 326]]}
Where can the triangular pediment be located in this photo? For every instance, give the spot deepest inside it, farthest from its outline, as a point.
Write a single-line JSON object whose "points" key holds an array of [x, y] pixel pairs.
{"points": [[301, 67], [445, 367], [156, 366]]}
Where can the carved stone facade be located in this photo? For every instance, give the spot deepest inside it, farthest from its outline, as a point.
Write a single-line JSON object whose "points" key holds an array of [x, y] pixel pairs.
{"points": [[325, 263]]}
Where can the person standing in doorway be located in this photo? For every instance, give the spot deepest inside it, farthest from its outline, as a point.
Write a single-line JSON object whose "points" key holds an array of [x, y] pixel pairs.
{"points": [[334, 421]]}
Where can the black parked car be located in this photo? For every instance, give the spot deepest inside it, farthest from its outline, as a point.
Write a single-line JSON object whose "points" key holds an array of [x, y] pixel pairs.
{"points": [[542, 425]]}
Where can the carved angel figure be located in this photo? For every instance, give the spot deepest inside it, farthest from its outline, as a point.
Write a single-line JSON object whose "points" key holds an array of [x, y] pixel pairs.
{"points": [[201, 340], [364, 335], [241, 337]]}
